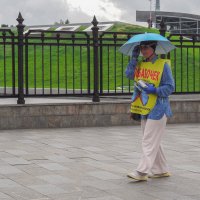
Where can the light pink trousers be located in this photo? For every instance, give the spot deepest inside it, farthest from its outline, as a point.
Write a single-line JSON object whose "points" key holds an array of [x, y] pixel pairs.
{"points": [[153, 158]]}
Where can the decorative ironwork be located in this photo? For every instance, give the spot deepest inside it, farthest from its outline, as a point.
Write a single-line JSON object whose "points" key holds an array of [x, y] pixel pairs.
{"points": [[81, 64]]}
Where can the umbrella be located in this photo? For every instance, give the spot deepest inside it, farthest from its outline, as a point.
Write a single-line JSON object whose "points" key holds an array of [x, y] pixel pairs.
{"points": [[163, 44]]}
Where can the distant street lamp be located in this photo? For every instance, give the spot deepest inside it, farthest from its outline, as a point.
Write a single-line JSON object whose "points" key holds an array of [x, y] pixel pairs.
{"points": [[150, 17]]}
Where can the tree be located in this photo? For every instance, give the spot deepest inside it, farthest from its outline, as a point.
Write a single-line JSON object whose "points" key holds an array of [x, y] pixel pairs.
{"points": [[67, 21], [4, 25], [61, 21]]}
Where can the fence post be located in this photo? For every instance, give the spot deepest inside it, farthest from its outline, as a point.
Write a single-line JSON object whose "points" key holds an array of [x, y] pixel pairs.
{"points": [[96, 61], [162, 31], [20, 29]]}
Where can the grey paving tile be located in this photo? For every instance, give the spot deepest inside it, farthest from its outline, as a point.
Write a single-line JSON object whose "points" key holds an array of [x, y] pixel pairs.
{"points": [[55, 179], [69, 188], [70, 196], [16, 161], [16, 152], [91, 192], [34, 156], [52, 166], [2, 176], [34, 170], [23, 193], [99, 184], [27, 141], [100, 157], [25, 179], [92, 148], [189, 167], [58, 158], [104, 175], [166, 195], [47, 189], [6, 169], [4, 154], [92, 163], [4, 196], [190, 175], [58, 145], [106, 166], [105, 198], [132, 193], [7, 183]]}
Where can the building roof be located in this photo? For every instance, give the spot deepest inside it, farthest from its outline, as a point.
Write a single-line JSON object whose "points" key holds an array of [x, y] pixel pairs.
{"points": [[183, 23], [143, 16]]}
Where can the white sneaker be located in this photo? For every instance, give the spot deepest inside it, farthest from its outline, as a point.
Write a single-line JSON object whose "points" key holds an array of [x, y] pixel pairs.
{"points": [[137, 176], [166, 174]]}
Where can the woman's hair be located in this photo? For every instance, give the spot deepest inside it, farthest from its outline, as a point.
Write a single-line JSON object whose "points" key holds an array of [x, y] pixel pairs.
{"points": [[152, 43]]}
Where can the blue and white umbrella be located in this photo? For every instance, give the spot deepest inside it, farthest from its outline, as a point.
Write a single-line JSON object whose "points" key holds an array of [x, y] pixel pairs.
{"points": [[163, 44]]}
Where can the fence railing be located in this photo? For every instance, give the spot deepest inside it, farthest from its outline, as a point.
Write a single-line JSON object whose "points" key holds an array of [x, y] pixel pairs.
{"points": [[67, 63], [185, 61]]}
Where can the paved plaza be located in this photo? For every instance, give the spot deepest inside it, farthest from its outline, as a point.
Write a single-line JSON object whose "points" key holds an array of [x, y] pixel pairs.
{"points": [[92, 163]]}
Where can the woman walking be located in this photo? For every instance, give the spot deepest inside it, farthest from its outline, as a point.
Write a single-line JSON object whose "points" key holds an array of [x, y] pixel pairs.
{"points": [[153, 84]]}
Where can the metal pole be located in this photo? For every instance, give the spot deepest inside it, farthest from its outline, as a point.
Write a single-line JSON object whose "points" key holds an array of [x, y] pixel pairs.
{"points": [[162, 31], [150, 9], [96, 67], [150, 17], [20, 29]]}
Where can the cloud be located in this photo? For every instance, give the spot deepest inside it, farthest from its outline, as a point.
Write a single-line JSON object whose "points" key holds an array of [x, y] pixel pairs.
{"points": [[129, 7], [184, 6], [37, 12], [102, 9]]}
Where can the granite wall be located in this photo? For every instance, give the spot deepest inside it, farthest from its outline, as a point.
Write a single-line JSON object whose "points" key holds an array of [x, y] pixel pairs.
{"points": [[85, 114]]}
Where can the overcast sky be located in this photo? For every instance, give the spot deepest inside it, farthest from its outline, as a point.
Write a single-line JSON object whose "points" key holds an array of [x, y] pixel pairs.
{"points": [[39, 12]]}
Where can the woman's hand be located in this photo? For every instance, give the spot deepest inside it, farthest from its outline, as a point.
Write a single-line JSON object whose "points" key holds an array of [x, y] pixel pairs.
{"points": [[150, 89], [136, 52]]}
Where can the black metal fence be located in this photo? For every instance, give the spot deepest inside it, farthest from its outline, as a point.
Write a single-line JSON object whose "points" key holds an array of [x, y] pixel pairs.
{"points": [[66, 63]]}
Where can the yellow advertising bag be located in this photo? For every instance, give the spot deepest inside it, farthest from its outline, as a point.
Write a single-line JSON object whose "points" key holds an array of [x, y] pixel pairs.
{"points": [[150, 73]]}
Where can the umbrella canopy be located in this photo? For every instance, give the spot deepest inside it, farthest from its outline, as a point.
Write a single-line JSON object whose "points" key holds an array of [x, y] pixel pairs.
{"points": [[163, 44]]}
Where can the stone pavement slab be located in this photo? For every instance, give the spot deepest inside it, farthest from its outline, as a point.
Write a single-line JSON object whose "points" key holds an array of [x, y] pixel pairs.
{"points": [[92, 163]]}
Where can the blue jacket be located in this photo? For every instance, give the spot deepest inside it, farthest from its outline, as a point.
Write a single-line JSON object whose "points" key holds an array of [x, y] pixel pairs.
{"points": [[165, 88]]}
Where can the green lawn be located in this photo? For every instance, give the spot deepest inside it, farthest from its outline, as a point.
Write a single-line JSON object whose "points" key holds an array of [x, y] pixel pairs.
{"points": [[61, 70]]}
